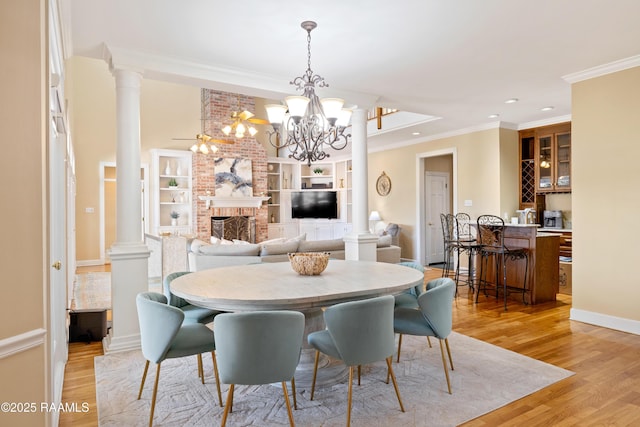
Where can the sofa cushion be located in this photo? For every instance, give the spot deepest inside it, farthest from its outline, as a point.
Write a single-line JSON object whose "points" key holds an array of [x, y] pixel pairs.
{"points": [[195, 245], [321, 245], [251, 249], [279, 248], [384, 241]]}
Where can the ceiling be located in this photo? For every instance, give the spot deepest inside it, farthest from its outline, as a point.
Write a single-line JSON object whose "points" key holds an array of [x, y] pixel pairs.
{"points": [[456, 60]]}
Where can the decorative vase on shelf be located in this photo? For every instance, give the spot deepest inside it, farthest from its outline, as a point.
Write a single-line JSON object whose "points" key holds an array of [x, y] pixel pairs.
{"points": [[178, 170], [174, 222], [167, 169]]}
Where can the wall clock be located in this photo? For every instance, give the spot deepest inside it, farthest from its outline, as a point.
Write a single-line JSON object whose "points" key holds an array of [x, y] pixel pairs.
{"points": [[383, 184]]}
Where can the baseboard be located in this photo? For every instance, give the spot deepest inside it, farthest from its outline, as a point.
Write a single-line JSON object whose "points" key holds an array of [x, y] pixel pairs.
{"points": [[19, 343], [606, 321], [111, 344]]}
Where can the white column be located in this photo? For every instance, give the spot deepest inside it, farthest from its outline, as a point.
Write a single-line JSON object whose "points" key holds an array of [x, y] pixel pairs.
{"points": [[360, 244], [129, 254]]}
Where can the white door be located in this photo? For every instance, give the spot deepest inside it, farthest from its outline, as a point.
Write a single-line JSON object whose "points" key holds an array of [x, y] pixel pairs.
{"points": [[58, 265], [437, 202]]}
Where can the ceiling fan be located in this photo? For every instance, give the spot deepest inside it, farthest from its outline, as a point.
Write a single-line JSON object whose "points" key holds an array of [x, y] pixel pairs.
{"points": [[238, 127]]}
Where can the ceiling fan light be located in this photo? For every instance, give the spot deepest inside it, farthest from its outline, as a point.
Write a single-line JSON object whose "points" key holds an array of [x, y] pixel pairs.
{"points": [[226, 130], [214, 149], [252, 131], [297, 105], [332, 107], [194, 148], [204, 149]]}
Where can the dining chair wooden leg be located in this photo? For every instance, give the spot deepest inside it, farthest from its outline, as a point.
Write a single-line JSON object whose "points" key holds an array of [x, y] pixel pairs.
{"points": [[293, 391], [399, 346], [144, 376], [315, 372], [349, 396], [286, 400], [429, 341], [395, 384], [444, 363], [359, 371], [153, 398], [446, 342], [215, 373], [200, 370], [227, 406]]}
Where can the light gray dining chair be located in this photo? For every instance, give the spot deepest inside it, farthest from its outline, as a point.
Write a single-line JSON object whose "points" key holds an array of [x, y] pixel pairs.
{"points": [[358, 333], [259, 347], [433, 319], [163, 335], [192, 313]]}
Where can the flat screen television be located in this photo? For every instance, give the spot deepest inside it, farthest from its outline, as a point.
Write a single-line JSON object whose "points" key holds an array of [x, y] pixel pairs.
{"points": [[314, 204]]}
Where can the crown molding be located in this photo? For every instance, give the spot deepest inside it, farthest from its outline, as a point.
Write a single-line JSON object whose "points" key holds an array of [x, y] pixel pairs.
{"points": [[601, 70], [545, 122]]}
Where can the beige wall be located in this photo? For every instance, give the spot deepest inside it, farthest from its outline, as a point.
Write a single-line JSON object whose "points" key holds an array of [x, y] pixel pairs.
{"points": [[24, 245], [480, 157], [167, 111], [606, 189]]}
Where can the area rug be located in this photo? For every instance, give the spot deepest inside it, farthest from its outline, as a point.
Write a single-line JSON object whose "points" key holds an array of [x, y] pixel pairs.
{"points": [[485, 378], [92, 291]]}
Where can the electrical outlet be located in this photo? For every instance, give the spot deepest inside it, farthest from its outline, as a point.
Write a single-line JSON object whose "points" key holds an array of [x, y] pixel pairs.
{"points": [[468, 202]]}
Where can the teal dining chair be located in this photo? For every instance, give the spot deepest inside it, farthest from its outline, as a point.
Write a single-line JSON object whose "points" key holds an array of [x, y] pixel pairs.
{"points": [[434, 318], [358, 333], [259, 347], [192, 313], [163, 335]]}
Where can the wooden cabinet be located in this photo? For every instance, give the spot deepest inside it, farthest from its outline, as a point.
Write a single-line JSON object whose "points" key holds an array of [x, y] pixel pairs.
{"points": [[544, 164], [527, 156], [553, 159], [171, 191], [543, 267]]}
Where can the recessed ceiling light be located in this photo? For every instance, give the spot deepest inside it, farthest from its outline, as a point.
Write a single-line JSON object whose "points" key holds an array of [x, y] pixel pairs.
{"points": [[415, 133], [494, 116], [549, 108], [511, 101]]}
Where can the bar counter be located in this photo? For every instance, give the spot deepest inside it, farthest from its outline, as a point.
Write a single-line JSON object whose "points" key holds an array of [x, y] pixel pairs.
{"points": [[544, 267]]}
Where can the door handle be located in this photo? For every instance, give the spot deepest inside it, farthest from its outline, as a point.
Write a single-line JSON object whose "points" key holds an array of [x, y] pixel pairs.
{"points": [[57, 265]]}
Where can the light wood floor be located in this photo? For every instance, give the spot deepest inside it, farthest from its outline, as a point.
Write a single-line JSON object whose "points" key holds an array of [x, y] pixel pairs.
{"points": [[605, 391]]}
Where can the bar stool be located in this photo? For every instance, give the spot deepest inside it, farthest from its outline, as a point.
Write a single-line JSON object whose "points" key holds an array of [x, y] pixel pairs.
{"points": [[447, 221], [491, 230], [468, 243]]}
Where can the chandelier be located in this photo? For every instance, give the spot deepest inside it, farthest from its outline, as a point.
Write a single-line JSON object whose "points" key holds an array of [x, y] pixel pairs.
{"points": [[307, 125]]}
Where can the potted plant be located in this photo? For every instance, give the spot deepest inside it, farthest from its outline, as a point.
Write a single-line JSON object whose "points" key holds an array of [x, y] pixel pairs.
{"points": [[173, 183], [174, 217], [318, 171]]}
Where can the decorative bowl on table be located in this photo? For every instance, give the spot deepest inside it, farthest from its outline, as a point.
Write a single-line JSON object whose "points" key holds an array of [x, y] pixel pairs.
{"points": [[309, 263]]}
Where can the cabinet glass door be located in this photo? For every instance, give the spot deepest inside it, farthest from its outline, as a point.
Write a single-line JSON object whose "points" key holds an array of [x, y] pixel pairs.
{"points": [[544, 163], [563, 161]]}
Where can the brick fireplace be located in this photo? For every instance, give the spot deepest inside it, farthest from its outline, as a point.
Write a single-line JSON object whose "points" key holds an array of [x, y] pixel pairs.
{"points": [[216, 111]]}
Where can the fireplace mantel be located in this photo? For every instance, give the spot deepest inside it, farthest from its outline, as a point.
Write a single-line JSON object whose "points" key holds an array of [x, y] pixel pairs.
{"points": [[234, 202]]}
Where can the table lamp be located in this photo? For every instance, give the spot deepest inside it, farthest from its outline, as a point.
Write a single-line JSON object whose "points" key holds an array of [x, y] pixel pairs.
{"points": [[374, 217]]}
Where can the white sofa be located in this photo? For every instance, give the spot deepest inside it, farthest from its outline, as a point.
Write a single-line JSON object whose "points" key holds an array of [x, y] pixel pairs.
{"points": [[203, 256]]}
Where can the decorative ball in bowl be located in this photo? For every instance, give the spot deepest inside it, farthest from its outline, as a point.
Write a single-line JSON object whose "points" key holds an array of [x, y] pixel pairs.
{"points": [[309, 263]]}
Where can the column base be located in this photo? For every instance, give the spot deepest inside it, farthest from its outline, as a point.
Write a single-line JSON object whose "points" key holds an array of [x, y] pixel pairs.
{"points": [[360, 247]]}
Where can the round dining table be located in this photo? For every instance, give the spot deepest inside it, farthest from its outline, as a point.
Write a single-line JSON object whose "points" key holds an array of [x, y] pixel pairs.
{"points": [[276, 286]]}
